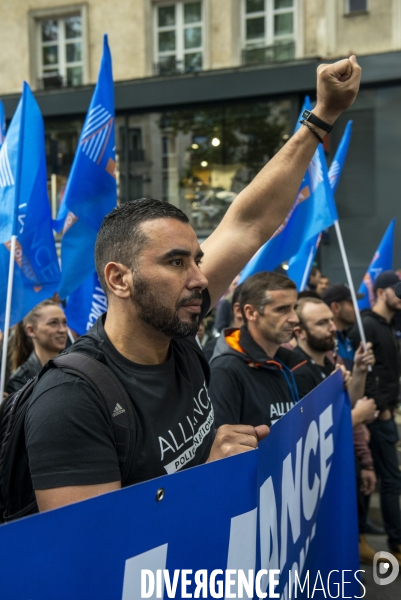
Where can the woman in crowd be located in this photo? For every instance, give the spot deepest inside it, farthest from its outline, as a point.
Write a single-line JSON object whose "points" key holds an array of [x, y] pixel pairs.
{"points": [[39, 337]]}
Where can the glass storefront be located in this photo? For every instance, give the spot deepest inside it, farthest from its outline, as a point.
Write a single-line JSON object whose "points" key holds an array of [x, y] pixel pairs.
{"points": [[196, 158]]}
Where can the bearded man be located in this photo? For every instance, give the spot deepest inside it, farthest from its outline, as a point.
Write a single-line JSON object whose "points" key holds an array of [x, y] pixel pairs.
{"points": [[316, 335], [160, 283]]}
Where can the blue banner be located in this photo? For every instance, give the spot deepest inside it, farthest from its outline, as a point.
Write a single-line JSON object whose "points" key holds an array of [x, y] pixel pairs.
{"points": [[382, 261], [25, 212], [313, 211], [2, 124], [85, 305], [290, 506], [91, 190]]}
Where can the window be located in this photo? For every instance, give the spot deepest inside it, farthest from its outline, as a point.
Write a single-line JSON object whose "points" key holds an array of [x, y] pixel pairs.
{"points": [[357, 6], [269, 30], [58, 47], [61, 59], [179, 37]]}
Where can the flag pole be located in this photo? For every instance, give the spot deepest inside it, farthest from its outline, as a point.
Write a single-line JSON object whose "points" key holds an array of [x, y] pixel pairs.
{"points": [[307, 268], [7, 316], [351, 285]]}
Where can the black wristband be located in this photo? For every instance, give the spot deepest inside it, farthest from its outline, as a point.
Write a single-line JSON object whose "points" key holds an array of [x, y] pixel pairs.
{"points": [[309, 116], [313, 130]]}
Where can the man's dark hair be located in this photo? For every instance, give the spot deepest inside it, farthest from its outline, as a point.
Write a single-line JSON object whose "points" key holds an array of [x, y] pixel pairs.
{"points": [[255, 290], [314, 271], [236, 295], [121, 239], [308, 294]]}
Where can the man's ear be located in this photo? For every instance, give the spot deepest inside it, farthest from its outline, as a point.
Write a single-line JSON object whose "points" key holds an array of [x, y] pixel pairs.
{"points": [[237, 310], [118, 279], [299, 332], [335, 307], [251, 313]]}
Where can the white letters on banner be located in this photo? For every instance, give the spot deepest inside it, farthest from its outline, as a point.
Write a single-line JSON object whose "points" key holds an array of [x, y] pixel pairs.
{"points": [[145, 575]]}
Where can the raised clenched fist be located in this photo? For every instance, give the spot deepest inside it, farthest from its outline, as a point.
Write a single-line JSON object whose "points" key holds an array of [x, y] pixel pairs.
{"points": [[337, 87]]}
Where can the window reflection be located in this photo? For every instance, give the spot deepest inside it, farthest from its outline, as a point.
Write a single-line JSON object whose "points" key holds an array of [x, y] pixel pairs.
{"points": [[198, 159], [222, 149]]}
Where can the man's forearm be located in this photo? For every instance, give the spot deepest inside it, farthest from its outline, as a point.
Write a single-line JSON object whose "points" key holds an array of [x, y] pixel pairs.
{"points": [[357, 386], [263, 205]]}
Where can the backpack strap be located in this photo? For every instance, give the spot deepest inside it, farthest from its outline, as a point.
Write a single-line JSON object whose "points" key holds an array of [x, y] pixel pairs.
{"points": [[118, 403]]}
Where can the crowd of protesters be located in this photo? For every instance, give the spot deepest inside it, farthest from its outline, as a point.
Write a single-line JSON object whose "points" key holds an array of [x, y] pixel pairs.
{"points": [[268, 349], [279, 345]]}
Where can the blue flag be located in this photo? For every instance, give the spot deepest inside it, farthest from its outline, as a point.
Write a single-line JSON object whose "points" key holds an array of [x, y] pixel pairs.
{"points": [[298, 264], [304, 259], [382, 261], [339, 158], [91, 190], [313, 210], [25, 212], [85, 305], [2, 124]]}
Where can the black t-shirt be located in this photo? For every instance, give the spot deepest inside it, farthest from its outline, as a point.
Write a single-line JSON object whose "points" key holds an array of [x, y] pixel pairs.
{"points": [[309, 374], [69, 434], [383, 381]]}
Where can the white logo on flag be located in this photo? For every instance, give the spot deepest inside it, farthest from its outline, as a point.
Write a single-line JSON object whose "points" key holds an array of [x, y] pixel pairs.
{"points": [[6, 176], [316, 171], [334, 172], [96, 133]]}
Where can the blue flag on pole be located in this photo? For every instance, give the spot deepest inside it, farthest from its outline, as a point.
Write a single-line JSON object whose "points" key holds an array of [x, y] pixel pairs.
{"points": [[91, 190], [313, 210], [382, 261], [2, 124], [303, 260], [85, 305], [298, 264], [25, 212], [336, 166]]}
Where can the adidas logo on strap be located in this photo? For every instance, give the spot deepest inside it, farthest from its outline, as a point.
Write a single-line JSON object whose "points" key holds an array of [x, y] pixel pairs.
{"points": [[118, 410]]}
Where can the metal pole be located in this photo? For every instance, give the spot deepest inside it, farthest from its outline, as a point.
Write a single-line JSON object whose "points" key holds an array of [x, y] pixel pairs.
{"points": [[7, 316], [351, 285], [53, 180]]}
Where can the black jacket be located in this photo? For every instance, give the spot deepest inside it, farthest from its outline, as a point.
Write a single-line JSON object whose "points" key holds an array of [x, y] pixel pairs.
{"points": [[382, 383], [29, 369], [308, 374], [247, 386]]}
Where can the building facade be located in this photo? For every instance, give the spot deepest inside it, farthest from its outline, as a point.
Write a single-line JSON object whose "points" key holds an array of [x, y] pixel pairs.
{"points": [[208, 90]]}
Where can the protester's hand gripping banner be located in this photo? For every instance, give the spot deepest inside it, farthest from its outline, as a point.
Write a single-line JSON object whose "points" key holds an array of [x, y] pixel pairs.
{"points": [[287, 512]]}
